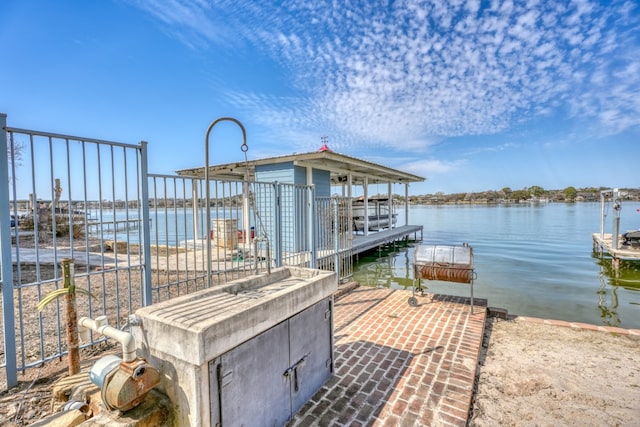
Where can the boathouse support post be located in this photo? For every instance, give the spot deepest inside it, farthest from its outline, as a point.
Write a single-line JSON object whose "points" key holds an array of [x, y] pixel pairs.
{"points": [[311, 201], [406, 204], [615, 266], [350, 204], [390, 194], [616, 218], [7, 263], [365, 191]]}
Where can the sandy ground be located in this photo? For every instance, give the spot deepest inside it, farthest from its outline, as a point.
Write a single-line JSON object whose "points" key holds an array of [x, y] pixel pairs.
{"points": [[536, 374]]}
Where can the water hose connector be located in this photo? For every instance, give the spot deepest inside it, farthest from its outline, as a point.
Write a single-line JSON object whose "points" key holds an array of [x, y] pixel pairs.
{"points": [[125, 382], [100, 326]]}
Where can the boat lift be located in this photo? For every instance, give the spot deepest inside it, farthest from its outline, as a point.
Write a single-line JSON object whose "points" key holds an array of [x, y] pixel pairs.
{"points": [[624, 246]]}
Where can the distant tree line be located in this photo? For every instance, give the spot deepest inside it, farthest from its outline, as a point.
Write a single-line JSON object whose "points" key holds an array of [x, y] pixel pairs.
{"points": [[527, 194], [505, 195]]}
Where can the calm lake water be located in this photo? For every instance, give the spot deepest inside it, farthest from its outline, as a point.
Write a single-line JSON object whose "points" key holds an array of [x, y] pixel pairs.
{"points": [[532, 259]]}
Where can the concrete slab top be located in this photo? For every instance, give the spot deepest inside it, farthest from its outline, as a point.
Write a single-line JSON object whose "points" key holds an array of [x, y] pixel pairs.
{"points": [[198, 327]]}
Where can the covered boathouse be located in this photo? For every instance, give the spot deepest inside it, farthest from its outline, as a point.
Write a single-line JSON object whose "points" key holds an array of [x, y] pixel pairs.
{"points": [[335, 177]]}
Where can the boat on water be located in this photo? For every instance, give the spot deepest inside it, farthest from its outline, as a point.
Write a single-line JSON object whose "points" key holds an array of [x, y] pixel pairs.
{"points": [[631, 238], [381, 214]]}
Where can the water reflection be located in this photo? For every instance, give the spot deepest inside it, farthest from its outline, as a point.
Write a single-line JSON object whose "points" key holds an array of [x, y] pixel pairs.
{"points": [[608, 306], [626, 276], [388, 267]]}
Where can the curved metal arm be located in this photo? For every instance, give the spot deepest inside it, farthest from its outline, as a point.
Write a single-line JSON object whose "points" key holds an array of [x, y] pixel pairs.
{"points": [[244, 148], [206, 140]]}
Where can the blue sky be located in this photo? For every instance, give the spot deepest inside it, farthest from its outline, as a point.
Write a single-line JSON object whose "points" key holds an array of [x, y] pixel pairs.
{"points": [[471, 95]]}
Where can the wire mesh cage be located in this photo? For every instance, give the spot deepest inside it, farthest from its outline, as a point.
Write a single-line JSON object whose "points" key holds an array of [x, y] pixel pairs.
{"points": [[445, 263]]}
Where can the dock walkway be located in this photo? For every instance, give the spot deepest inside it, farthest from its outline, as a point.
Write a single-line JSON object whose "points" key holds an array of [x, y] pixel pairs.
{"points": [[363, 243], [398, 365], [604, 245]]}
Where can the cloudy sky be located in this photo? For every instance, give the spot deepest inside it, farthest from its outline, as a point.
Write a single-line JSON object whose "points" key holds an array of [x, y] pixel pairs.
{"points": [[472, 95]]}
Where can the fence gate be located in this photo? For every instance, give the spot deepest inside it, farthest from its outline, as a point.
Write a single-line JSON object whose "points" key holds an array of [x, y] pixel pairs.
{"points": [[68, 197], [334, 235]]}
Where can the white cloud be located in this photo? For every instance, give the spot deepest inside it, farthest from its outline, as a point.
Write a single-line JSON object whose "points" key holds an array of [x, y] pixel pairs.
{"points": [[430, 167], [420, 69]]}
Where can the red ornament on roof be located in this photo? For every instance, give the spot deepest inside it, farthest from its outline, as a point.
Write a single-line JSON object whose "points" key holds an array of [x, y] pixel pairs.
{"points": [[324, 140]]}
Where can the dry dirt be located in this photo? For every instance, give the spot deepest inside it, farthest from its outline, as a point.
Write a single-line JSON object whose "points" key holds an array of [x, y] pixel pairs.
{"points": [[536, 374]]}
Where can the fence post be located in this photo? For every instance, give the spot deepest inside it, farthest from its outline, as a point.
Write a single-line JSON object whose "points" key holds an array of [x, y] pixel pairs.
{"points": [[146, 221], [277, 224], [312, 221], [7, 262], [336, 236]]}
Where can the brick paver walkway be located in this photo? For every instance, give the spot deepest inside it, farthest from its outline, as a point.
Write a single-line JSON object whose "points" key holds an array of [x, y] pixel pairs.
{"points": [[398, 365]]}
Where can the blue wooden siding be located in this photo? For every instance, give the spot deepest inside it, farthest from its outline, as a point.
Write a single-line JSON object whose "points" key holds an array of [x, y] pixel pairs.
{"points": [[294, 219], [322, 181], [290, 174], [281, 172]]}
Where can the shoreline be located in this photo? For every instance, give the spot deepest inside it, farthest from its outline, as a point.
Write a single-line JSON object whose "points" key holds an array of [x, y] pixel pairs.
{"points": [[501, 313]]}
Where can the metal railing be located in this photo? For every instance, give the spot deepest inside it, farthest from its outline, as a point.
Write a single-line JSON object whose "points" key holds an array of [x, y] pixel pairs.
{"points": [[334, 235], [59, 187], [136, 237]]}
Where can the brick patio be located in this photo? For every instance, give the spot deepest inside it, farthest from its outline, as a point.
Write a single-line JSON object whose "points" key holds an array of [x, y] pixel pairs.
{"points": [[398, 365]]}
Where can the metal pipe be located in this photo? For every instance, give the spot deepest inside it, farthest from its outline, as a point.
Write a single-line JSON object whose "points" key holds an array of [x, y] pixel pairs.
{"points": [[366, 205], [336, 237], [63, 136], [277, 225], [602, 214], [6, 265], [124, 338], [206, 179], [312, 226], [616, 218], [390, 201], [406, 204], [147, 298]]}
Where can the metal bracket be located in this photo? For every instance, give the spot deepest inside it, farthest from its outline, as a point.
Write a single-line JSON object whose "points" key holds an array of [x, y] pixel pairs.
{"points": [[293, 369]]}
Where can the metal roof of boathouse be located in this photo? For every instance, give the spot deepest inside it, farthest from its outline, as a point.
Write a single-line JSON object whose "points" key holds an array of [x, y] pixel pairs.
{"points": [[339, 166]]}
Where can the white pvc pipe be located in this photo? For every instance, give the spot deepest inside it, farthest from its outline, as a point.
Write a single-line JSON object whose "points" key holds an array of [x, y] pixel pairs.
{"points": [[124, 338]]}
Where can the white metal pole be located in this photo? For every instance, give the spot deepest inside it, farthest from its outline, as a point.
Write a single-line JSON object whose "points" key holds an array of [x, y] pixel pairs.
{"points": [[390, 197], [406, 204], [366, 205]]}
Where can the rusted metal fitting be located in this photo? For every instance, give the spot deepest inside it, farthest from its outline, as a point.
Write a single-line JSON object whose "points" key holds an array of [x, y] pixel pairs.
{"points": [[126, 386]]}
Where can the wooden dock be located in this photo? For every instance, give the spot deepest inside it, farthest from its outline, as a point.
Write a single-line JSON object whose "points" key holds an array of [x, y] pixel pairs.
{"points": [[604, 245], [111, 226], [366, 243], [361, 243]]}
